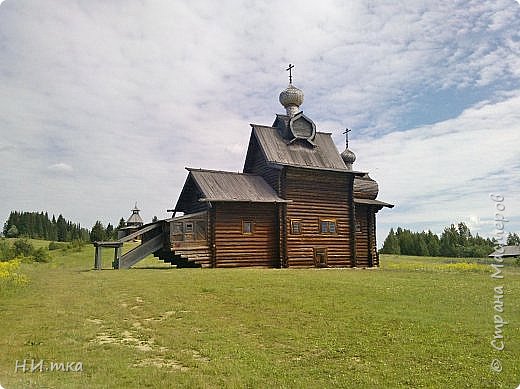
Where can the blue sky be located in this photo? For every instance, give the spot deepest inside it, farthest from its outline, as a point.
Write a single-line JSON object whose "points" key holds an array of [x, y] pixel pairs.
{"points": [[104, 103]]}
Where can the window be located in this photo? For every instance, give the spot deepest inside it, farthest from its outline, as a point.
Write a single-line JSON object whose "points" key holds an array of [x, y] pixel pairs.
{"points": [[188, 227], [328, 226], [358, 227], [247, 227], [296, 227]]}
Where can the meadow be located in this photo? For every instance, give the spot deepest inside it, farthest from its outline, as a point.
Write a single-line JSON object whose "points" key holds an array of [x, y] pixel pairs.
{"points": [[416, 322]]}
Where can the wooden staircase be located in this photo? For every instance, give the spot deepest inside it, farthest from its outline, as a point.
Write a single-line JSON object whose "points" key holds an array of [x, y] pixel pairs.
{"points": [[152, 240], [156, 240], [186, 257]]}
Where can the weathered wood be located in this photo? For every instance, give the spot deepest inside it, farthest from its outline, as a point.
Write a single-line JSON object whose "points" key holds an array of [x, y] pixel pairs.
{"points": [[141, 231], [135, 255], [234, 248], [318, 195], [97, 259]]}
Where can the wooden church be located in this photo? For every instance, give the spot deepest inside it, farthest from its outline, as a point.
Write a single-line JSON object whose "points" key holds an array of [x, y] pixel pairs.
{"points": [[298, 203]]}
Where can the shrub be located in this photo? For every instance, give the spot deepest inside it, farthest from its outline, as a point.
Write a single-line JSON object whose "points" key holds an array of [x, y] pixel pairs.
{"points": [[6, 250], [23, 248], [40, 255], [76, 245], [56, 246]]}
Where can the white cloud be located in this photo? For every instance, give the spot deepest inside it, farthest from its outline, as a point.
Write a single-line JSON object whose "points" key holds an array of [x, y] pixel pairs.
{"points": [[443, 173], [61, 168], [130, 94]]}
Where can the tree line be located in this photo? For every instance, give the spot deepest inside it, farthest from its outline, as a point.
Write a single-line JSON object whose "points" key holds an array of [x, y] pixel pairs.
{"points": [[38, 225], [455, 241]]}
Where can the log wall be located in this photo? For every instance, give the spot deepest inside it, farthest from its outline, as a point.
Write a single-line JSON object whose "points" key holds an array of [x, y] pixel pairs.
{"points": [[317, 195], [233, 248], [366, 250]]}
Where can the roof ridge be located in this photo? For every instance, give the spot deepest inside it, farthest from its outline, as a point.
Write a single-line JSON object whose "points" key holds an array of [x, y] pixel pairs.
{"points": [[261, 125], [190, 169]]}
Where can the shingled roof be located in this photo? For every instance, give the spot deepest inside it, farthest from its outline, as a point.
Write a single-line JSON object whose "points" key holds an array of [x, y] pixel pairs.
{"points": [[324, 155], [506, 251], [230, 186]]}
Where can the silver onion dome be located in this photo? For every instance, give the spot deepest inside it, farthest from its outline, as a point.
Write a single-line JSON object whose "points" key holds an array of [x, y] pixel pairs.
{"points": [[291, 98], [348, 157]]}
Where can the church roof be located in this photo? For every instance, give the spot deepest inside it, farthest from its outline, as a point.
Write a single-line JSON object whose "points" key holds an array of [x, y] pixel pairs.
{"points": [[134, 218], [323, 155], [365, 187], [231, 186], [372, 202]]}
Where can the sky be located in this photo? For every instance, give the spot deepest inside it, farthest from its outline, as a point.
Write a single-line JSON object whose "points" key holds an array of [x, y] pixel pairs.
{"points": [[103, 104]]}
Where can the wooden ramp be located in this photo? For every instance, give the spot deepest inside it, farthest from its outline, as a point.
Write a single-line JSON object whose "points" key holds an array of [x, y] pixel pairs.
{"points": [[152, 240]]}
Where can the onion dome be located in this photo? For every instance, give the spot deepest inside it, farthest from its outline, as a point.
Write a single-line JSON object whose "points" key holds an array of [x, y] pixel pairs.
{"points": [[348, 157], [291, 98], [365, 188]]}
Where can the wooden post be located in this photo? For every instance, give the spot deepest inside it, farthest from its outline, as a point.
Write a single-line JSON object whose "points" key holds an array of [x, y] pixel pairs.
{"points": [[97, 260], [117, 255]]}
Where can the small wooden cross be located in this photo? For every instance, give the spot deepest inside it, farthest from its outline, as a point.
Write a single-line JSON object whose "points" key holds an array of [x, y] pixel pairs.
{"points": [[346, 136], [291, 66]]}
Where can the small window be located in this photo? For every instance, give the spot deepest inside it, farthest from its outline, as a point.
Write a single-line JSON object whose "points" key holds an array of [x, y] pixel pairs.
{"points": [[324, 227], [328, 226], [177, 228], [358, 227], [188, 227], [296, 227], [247, 227]]}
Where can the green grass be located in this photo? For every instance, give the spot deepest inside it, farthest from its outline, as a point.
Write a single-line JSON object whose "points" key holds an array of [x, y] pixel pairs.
{"points": [[416, 322]]}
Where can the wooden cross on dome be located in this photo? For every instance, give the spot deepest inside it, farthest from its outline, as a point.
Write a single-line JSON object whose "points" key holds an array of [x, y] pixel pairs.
{"points": [[346, 136], [290, 68]]}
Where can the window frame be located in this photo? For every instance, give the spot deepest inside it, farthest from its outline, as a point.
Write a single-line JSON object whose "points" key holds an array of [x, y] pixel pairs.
{"points": [[251, 227], [296, 222], [328, 222]]}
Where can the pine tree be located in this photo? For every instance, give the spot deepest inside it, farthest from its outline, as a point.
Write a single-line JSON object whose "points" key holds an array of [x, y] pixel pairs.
{"points": [[61, 228], [97, 234], [109, 231]]}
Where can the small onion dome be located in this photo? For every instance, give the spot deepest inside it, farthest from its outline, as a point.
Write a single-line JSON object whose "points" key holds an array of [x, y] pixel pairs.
{"points": [[291, 98], [365, 188], [348, 157]]}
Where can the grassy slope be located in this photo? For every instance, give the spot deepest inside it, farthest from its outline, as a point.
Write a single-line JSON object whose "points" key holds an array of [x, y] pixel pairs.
{"points": [[413, 323]]}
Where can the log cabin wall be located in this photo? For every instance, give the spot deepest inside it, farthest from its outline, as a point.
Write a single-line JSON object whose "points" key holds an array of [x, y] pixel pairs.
{"points": [[372, 236], [232, 247], [317, 195], [362, 237], [366, 248]]}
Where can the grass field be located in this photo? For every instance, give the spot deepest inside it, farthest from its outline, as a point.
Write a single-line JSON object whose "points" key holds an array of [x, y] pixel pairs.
{"points": [[416, 322]]}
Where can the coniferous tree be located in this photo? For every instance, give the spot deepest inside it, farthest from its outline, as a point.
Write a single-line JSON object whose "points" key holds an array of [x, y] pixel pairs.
{"points": [[455, 241], [97, 234], [109, 231], [513, 239], [391, 244]]}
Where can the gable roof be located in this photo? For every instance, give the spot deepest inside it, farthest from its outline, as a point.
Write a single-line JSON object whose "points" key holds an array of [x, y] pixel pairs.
{"points": [[229, 186], [324, 155], [507, 251]]}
